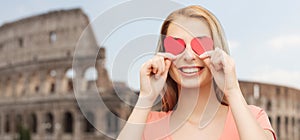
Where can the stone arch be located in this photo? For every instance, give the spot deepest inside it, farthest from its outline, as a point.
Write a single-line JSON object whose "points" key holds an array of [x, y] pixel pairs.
{"points": [[2, 87], [293, 127], [51, 81], [286, 124], [89, 121], [67, 81], [49, 123], [32, 122], [269, 105], [68, 122], [18, 123], [7, 123], [34, 85], [8, 87], [52, 37], [298, 128], [20, 89], [256, 91], [90, 76], [278, 124], [0, 124]]}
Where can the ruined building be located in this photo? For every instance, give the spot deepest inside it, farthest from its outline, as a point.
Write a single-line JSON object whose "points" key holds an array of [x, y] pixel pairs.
{"points": [[36, 86], [281, 103]]}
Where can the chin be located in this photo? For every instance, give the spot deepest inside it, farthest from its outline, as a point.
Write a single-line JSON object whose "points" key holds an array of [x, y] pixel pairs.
{"points": [[194, 83]]}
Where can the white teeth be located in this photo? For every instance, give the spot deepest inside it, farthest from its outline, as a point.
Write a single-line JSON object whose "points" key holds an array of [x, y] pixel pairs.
{"points": [[190, 70]]}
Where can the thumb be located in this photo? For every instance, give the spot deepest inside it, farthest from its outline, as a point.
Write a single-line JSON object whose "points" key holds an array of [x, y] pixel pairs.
{"points": [[208, 63], [167, 55]]}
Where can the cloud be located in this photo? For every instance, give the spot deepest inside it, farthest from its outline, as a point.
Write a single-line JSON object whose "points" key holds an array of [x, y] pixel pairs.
{"points": [[281, 42], [233, 44], [278, 76]]}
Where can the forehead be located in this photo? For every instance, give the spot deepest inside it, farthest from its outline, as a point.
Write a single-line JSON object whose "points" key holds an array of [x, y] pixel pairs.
{"points": [[184, 27]]}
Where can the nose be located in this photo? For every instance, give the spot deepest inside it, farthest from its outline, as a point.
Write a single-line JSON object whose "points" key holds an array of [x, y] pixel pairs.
{"points": [[189, 54]]}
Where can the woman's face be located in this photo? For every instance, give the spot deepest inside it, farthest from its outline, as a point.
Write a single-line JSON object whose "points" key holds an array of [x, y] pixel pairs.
{"points": [[188, 70]]}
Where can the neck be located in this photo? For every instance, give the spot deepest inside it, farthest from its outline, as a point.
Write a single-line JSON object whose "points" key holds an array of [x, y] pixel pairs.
{"points": [[192, 101], [196, 105]]}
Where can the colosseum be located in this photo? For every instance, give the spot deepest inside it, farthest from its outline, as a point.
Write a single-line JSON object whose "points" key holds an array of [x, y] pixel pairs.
{"points": [[38, 94], [36, 87]]}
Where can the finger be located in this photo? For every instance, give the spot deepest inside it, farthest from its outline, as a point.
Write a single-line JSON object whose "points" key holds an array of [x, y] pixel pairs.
{"points": [[154, 67], [206, 54], [210, 66], [208, 63], [158, 64], [162, 63], [159, 68], [166, 55], [167, 67], [218, 60], [146, 68]]}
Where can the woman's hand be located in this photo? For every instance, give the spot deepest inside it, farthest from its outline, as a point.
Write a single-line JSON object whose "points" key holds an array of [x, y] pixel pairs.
{"points": [[222, 68], [153, 75]]}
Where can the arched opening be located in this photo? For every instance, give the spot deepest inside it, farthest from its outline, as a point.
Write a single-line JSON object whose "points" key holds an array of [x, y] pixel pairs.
{"points": [[293, 127], [68, 80], [112, 122], [68, 122], [256, 91], [89, 121], [34, 83], [90, 75], [1, 88], [8, 91], [286, 124], [278, 122], [52, 37], [18, 123], [270, 119], [269, 106], [20, 85], [21, 42], [49, 125], [7, 124], [32, 123], [51, 76], [299, 128]]}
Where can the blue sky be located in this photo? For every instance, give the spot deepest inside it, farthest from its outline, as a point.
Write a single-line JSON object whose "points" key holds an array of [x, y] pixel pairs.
{"points": [[264, 36]]}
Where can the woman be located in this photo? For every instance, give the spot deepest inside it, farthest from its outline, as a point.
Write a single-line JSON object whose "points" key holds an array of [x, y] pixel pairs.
{"points": [[194, 74]]}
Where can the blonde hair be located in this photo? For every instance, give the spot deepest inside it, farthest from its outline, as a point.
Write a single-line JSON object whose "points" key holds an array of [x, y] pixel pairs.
{"points": [[171, 95]]}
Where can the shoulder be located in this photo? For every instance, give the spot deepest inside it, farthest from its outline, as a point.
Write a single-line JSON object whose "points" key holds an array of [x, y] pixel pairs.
{"points": [[256, 111], [262, 118], [156, 115]]}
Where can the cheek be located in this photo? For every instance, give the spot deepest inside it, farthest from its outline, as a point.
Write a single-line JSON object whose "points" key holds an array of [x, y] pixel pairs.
{"points": [[207, 77], [174, 73]]}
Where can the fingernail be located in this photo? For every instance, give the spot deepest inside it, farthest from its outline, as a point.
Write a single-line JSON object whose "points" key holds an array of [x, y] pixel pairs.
{"points": [[203, 55]]}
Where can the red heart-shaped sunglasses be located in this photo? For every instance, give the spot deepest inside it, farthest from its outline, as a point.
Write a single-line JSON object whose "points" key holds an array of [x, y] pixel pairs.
{"points": [[177, 45]]}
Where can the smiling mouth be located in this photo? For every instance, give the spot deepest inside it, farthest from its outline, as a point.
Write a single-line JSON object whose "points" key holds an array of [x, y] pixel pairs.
{"points": [[190, 70]]}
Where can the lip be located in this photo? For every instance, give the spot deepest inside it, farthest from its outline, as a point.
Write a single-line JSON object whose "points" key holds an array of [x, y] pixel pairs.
{"points": [[191, 74]]}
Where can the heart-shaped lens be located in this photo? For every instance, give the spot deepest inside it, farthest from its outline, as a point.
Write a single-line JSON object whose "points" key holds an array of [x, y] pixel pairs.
{"points": [[202, 44], [174, 46]]}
